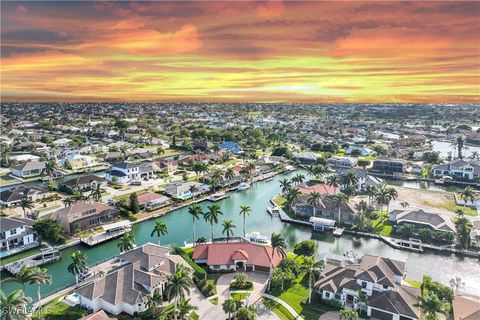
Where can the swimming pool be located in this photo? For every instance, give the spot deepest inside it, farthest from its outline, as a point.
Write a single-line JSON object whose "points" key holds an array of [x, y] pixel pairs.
{"points": [[186, 196]]}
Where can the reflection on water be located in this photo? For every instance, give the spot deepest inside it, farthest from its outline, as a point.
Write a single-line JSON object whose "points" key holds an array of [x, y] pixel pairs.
{"points": [[179, 224]]}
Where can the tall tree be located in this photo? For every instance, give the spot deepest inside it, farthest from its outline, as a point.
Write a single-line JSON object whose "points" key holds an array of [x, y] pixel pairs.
{"points": [[340, 200], [211, 216], [40, 276], [228, 228], [96, 193], [244, 211], [285, 184], [78, 265], [178, 286], [314, 200], [333, 181], [14, 306], [25, 204], [160, 228], [313, 267], [279, 245], [467, 194], [126, 242], [195, 212]]}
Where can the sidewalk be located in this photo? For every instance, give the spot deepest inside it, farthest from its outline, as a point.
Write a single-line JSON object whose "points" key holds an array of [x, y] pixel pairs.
{"points": [[283, 303]]}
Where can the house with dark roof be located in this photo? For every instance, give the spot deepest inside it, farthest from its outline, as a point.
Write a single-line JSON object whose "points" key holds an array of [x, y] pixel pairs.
{"points": [[125, 172], [236, 256], [127, 288], [389, 166], [422, 219], [13, 197], [306, 157], [83, 183], [379, 278], [460, 168], [16, 234]]}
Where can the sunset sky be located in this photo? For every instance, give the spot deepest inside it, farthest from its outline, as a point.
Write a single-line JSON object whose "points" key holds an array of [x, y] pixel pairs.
{"points": [[241, 51]]}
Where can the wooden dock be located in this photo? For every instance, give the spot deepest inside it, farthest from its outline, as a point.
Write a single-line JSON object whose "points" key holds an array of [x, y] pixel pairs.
{"points": [[45, 256], [111, 231]]}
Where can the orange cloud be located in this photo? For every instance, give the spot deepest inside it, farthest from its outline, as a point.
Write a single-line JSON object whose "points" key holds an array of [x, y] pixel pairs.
{"points": [[271, 9]]}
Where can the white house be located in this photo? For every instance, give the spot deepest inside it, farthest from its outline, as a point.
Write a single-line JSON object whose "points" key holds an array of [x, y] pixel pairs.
{"points": [[342, 162], [363, 151], [464, 169], [16, 233], [137, 275], [364, 180], [28, 169], [127, 172]]}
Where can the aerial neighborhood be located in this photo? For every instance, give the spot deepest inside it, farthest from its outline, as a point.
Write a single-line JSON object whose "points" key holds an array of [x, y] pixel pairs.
{"points": [[240, 211]]}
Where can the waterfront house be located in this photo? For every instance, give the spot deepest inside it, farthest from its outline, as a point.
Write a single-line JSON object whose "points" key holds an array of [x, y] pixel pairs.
{"points": [[377, 277], [363, 150], [326, 209], [84, 183], [389, 165], [183, 190], [246, 256], [139, 273], [231, 146], [82, 216], [364, 180], [16, 234], [151, 200], [460, 168], [125, 172], [78, 162], [321, 188], [336, 162], [13, 197], [306, 157], [28, 169], [422, 219]]}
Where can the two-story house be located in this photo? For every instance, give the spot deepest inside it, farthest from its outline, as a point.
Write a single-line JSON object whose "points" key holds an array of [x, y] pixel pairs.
{"points": [[379, 278], [84, 215], [16, 235], [390, 166], [336, 162], [463, 169], [13, 197], [139, 273], [125, 172], [364, 180]]}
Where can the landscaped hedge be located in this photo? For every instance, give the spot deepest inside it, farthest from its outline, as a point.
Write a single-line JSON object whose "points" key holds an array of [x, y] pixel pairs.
{"points": [[247, 285], [199, 271]]}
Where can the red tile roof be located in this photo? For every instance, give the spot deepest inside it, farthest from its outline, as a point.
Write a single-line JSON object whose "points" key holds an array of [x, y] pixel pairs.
{"points": [[224, 253], [323, 189]]}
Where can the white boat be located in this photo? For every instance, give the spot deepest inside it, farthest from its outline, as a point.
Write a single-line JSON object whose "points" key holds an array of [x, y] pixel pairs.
{"points": [[257, 237], [243, 186]]}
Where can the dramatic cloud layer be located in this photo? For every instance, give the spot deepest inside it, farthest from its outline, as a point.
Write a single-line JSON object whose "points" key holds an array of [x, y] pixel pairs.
{"points": [[241, 51]]}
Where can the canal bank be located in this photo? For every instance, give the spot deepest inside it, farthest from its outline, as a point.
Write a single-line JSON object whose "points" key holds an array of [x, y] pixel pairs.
{"points": [[179, 223]]}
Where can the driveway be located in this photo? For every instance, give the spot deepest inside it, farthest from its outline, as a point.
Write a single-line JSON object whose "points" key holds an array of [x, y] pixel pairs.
{"points": [[207, 310], [331, 315]]}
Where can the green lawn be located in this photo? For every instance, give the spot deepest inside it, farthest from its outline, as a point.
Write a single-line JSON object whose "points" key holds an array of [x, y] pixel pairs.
{"points": [[279, 200], [369, 158], [278, 309], [212, 278], [382, 226], [57, 309], [49, 208], [413, 283], [239, 295], [127, 195], [452, 206], [297, 297], [214, 300], [21, 255]]}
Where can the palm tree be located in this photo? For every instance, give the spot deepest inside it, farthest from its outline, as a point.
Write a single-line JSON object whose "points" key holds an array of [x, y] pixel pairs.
{"points": [[126, 242], [228, 227], [279, 245], [67, 201], [292, 196], [392, 195], [185, 309], [467, 194], [195, 212], [230, 306], [178, 286], [160, 228], [371, 192], [25, 203], [24, 276], [333, 181], [244, 211], [314, 201], [349, 179], [382, 196], [285, 184], [430, 305], [340, 199], [78, 265], [40, 276], [211, 216], [14, 305], [96, 193], [229, 174], [246, 313], [313, 267], [193, 189]]}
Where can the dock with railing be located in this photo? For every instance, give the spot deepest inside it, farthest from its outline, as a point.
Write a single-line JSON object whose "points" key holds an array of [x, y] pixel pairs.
{"points": [[111, 231], [45, 256]]}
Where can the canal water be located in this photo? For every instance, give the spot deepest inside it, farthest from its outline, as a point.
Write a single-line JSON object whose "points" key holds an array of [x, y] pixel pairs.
{"points": [[440, 267]]}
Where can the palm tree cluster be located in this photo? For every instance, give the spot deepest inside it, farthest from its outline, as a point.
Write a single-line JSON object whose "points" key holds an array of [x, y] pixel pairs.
{"points": [[178, 287], [79, 264], [30, 275], [467, 195], [318, 171]]}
